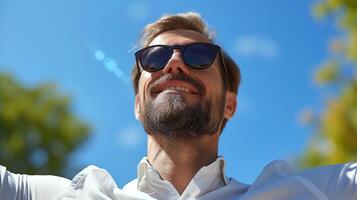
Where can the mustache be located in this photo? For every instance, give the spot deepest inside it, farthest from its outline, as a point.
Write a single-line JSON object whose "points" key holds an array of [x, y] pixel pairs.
{"points": [[177, 77]]}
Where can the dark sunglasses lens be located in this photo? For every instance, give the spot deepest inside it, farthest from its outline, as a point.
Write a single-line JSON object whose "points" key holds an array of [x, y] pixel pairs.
{"points": [[200, 56], [154, 58]]}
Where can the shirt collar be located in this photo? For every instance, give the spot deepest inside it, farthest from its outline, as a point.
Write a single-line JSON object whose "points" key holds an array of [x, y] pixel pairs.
{"points": [[208, 178]]}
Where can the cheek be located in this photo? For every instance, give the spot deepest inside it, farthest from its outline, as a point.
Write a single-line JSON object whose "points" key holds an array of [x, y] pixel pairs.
{"points": [[214, 85], [142, 89], [150, 75], [144, 80], [214, 82], [145, 75]]}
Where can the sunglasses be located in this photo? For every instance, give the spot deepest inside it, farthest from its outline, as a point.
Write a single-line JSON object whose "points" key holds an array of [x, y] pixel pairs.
{"points": [[197, 55]]}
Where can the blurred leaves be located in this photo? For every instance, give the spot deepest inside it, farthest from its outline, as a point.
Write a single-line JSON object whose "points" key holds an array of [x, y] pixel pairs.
{"points": [[328, 73], [335, 140], [38, 132]]}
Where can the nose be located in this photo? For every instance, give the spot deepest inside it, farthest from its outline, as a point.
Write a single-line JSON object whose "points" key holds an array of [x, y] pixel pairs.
{"points": [[176, 64]]}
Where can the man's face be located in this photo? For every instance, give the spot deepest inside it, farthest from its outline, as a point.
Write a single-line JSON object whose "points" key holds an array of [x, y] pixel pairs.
{"points": [[180, 102]]}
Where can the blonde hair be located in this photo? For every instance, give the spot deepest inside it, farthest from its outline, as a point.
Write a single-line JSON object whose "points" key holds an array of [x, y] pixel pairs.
{"points": [[189, 21]]}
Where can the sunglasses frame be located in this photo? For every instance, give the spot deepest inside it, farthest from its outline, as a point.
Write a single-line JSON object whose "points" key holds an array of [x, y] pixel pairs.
{"points": [[182, 48]]}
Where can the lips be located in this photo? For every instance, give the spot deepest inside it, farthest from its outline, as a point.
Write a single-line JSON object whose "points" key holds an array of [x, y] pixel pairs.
{"points": [[177, 83], [183, 89], [176, 86]]}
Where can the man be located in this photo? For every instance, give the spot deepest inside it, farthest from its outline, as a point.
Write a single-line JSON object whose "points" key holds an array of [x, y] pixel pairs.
{"points": [[186, 91]]}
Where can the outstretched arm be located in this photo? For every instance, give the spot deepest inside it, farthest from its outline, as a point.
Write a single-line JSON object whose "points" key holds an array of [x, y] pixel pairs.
{"points": [[28, 187]]}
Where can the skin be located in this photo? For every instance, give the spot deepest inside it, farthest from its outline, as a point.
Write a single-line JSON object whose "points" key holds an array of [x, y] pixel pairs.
{"points": [[178, 161]]}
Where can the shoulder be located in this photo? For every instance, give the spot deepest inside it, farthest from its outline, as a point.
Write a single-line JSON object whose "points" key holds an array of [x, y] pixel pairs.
{"points": [[280, 180], [90, 183], [338, 180], [131, 186], [323, 176]]}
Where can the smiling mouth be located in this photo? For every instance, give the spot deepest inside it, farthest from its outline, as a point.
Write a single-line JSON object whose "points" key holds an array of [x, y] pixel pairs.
{"points": [[176, 87]]}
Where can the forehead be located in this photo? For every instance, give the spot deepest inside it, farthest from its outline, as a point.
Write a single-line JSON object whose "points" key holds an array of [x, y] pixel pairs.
{"points": [[179, 36]]}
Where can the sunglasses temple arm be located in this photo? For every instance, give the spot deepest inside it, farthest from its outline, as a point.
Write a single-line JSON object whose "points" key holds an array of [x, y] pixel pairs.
{"points": [[138, 68], [225, 69]]}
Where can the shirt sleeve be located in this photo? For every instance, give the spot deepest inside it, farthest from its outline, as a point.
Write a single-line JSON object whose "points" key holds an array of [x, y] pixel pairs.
{"points": [[29, 187], [346, 183], [336, 181]]}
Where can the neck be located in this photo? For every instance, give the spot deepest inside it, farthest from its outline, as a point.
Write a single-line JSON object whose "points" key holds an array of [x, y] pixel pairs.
{"points": [[178, 161]]}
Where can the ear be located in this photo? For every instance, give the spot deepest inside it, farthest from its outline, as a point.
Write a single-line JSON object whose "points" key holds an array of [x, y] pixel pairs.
{"points": [[231, 104], [137, 108]]}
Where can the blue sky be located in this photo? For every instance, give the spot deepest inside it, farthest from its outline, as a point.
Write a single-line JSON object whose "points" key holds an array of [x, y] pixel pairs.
{"points": [[86, 48]]}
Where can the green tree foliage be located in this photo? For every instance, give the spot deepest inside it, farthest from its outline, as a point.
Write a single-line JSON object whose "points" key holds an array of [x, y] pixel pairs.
{"points": [[336, 125], [38, 132]]}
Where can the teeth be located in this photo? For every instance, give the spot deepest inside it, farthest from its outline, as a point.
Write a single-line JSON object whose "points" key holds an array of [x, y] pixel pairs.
{"points": [[176, 88]]}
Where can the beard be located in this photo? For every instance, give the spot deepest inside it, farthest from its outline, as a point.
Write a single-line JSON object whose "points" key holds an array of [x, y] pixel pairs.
{"points": [[177, 119]]}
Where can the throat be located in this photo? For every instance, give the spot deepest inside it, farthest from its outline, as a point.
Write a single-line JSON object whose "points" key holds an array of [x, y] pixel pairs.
{"points": [[178, 162]]}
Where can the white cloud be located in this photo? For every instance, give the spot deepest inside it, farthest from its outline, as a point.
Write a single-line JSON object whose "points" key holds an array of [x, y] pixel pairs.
{"points": [[130, 136], [252, 46]]}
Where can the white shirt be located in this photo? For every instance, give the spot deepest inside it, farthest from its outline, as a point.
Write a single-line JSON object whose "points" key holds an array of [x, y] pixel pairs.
{"points": [[277, 181]]}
